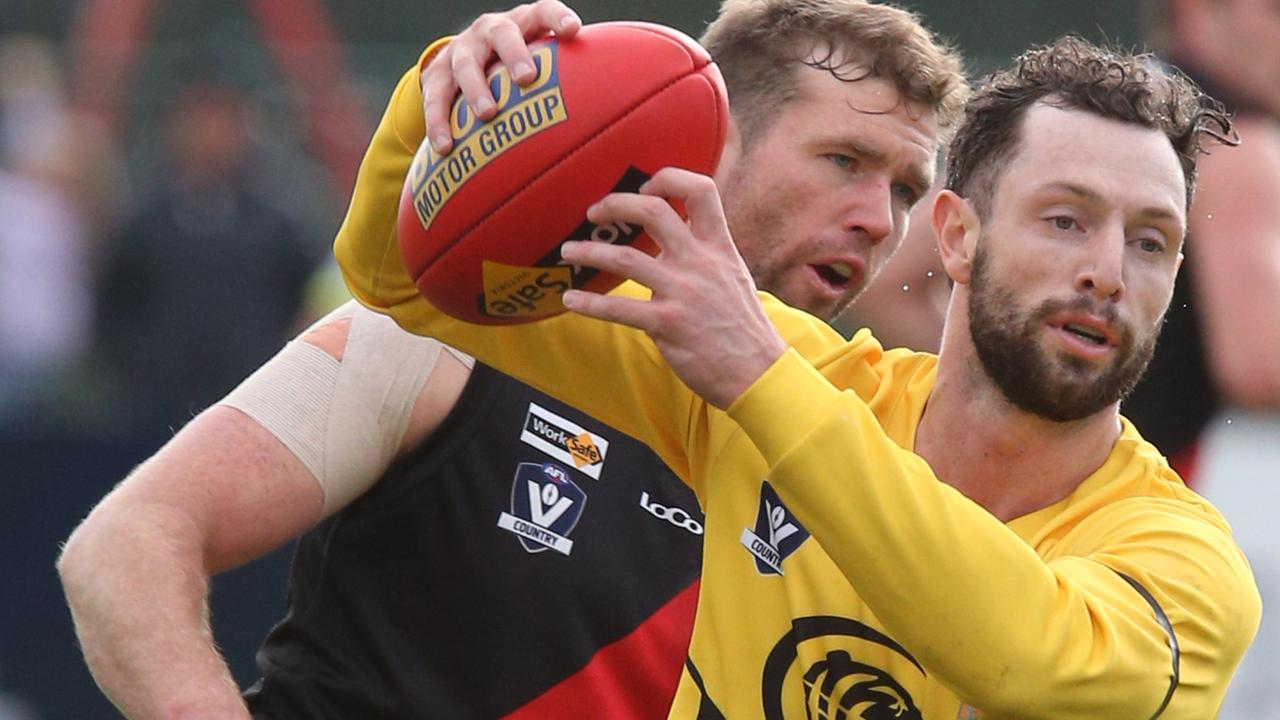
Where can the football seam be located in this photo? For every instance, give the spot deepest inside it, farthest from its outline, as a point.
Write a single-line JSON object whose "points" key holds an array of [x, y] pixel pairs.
{"points": [[462, 236], [643, 27], [530, 186], [697, 62], [718, 131]]}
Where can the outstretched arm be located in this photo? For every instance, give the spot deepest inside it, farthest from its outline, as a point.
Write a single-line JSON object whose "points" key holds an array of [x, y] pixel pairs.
{"points": [[136, 572], [232, 485]]}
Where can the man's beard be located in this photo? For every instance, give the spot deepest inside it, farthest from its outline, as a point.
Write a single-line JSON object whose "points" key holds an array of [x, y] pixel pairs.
{"points": [[1060, 389]]}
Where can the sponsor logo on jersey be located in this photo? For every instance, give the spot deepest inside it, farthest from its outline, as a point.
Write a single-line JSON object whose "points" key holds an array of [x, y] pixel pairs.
{"points": [[672, 514], [776, 534], [545, 507], [564, 440], [522, 113], [838, 677], [535, 291]]}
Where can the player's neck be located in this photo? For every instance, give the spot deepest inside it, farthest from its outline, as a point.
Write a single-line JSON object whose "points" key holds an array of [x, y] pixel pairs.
{"points": [[1007, 460]]}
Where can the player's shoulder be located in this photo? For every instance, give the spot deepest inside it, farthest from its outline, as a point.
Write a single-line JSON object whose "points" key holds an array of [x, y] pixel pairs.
{"points": [[353, 330], [1136, 485]]}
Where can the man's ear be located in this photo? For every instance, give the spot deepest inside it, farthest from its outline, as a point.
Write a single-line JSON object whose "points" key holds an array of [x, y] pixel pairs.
{"points": [[957, 228], [731, 153]]}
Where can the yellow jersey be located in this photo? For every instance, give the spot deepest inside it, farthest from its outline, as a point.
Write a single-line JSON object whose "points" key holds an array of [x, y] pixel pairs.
{"points": [[841, 578]]}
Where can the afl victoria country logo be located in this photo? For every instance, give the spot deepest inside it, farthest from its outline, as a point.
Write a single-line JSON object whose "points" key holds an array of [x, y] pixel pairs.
{"points": [[776, 534], [545, 507], [835, 682]]}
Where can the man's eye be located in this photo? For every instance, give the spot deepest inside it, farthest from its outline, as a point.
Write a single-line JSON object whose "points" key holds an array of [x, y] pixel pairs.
{"points": [[906, 194], [841, 161], [1150, 245], [1062, 222]]}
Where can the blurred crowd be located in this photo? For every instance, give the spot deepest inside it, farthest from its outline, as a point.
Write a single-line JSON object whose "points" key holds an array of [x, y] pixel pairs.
{"points": [[133, 300], [150, 257], [145, 270], [60, 185]]}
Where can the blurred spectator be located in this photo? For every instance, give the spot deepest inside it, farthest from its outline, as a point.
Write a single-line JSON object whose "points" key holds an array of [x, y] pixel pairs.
{"points": [[204, 282], [45, 297], [1221, 341], [905, 304]]}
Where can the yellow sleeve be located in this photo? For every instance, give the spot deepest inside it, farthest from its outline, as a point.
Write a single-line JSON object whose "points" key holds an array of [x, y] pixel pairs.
{"points": [[1010, 632], [613, 373], [366, 244]]}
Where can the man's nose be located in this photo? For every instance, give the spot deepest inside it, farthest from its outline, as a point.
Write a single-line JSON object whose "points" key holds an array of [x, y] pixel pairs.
{"points": [[1102, 272], [870, 209]]}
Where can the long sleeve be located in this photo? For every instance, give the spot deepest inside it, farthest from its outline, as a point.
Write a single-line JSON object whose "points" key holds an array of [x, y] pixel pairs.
{"points": [[1010, 631], [578, 361]]}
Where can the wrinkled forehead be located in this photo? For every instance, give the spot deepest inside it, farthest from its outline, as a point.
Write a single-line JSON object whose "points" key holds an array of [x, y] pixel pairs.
{"points": [[864, 119], [852, 64]]}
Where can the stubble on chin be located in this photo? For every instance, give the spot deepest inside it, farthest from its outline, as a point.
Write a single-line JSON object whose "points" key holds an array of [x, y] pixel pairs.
{"points": [[1051, 384]]}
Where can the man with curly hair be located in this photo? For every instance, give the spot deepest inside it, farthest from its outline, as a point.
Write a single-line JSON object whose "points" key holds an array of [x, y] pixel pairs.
{"points": [[896, 534]]}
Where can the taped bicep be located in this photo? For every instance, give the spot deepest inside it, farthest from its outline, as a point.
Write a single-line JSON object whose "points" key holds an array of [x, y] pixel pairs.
{"points": [[343, 413]]}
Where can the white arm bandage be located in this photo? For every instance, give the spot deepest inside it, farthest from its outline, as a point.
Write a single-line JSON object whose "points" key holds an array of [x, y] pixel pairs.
{"points": [[344, 420]]}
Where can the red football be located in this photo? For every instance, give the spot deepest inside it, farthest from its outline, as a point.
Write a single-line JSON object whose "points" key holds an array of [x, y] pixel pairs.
{"points": [[481, 227]]}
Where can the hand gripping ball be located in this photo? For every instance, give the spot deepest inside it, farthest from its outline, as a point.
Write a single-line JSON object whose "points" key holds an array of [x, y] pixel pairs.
{"points": [[481, 228]]}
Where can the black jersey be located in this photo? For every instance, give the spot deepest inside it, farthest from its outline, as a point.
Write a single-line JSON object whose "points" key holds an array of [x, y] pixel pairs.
{"points": [[524, 561], [1176, 398]]}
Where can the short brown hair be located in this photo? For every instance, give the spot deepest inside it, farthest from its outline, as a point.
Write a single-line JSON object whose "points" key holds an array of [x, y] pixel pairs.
{"points": [[757, 43], [1074, 73]]}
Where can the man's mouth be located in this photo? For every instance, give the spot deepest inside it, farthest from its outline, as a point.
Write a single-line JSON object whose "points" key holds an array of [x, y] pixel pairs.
{"points": [[837, 274], [1087, 334]]}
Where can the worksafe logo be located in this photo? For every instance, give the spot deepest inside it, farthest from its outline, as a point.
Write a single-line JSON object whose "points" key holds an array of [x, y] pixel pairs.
{"points": [[776, 534], [545, 507], [522, 113], [521, 291], [564, 440]]}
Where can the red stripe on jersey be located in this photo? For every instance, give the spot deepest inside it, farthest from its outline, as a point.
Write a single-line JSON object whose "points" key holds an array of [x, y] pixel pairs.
{"points": [[634, 677], [1185, 461]]}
